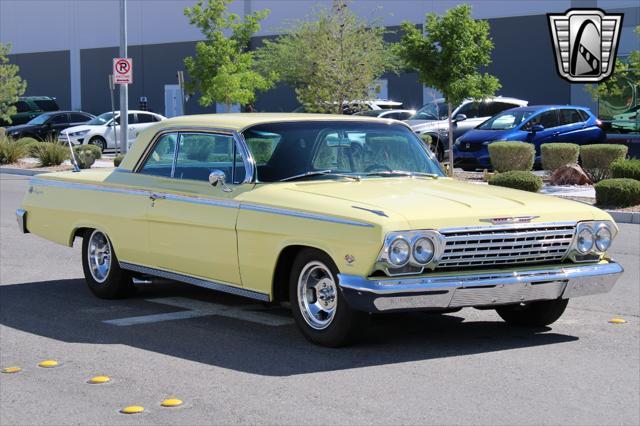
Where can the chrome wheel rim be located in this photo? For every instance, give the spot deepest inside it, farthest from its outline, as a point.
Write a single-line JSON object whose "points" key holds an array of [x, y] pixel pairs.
{"points": [[99, 256], [317, 295]]}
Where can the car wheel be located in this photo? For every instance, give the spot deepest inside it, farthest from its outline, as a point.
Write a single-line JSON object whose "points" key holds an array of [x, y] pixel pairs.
{"points": [[99, 142], [319, 309], [102, 271], [535, 314]]}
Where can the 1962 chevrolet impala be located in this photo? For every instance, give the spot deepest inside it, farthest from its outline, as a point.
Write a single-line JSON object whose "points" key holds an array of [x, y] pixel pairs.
{"points": [[340, 216]]}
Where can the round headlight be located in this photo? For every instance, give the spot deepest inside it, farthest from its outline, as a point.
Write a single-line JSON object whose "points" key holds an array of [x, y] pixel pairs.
{"points": [[399, 251], [423, 250], [603, 238], [584, 243]]}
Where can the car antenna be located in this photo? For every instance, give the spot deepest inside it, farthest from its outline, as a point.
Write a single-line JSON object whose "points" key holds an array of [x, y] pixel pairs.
{"points": [[74, 162]]}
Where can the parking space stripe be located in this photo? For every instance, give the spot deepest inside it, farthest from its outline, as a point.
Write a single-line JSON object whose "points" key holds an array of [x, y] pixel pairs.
{"points": [[198, 308]]}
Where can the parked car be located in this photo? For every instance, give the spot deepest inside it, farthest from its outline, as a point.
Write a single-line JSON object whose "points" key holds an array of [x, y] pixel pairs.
{"points": [[49, 125], [339, 215], [395, 114], [368, 105], [104, 130], [29, 107], [432, 119], [533, 124]]}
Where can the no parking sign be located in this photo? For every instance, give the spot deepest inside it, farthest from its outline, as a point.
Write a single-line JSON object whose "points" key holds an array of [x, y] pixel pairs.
{"points": [[123, 70]]}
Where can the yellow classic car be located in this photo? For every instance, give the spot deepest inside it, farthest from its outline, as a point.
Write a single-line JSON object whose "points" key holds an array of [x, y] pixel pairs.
{"points": [[340, 216]]}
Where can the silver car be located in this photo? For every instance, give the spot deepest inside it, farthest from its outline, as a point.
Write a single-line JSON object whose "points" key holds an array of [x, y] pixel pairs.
{"points": [[432, 119]]}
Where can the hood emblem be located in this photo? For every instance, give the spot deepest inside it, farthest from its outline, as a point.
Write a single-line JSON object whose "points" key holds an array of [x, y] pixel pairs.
{"points": [[510, 219]]}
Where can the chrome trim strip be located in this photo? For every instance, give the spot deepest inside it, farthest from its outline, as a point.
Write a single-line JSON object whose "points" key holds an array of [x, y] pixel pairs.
{"points": [[427, 284], [376, 212], [21, 217], [507, 226], [88, 187], [200, 200], [200, 282], [303, 215]]}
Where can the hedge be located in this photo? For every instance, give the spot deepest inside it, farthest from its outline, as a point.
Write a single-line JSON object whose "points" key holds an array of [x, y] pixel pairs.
{"points": [[118, 160], [597, 159], [85, 155], [556, 155], [517, 179], [50, 153], [626, 169], [509, 156], [621, 192], [11, 151]]}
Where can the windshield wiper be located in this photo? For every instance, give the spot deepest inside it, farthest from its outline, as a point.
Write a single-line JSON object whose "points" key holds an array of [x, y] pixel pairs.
{"points": [[401, 173], [319, 173]]}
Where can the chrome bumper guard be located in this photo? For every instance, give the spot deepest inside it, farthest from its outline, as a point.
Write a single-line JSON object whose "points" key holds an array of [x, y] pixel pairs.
{"points": [[21, 217], [478, 290]]}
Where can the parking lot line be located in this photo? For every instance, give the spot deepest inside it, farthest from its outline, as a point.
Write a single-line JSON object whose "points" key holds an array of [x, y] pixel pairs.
{"points": [[198, 308]]}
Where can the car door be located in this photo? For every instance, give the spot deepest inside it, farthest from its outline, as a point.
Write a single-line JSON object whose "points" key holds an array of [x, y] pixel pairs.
{"points": [[78, 118], [471, 111], [192, 224], [54, 126], [548, 120], [572, 127]]}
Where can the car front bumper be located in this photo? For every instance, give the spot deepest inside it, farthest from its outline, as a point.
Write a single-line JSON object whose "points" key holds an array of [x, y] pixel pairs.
{"points": [[478, 290]]}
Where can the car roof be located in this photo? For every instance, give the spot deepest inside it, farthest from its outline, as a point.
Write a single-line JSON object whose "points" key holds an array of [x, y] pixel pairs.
{"points": [[241, 121], [548, 107], [37, 98]]}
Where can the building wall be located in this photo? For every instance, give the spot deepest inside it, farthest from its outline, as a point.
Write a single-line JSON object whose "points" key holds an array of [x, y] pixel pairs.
{"points": [[69, 45]]}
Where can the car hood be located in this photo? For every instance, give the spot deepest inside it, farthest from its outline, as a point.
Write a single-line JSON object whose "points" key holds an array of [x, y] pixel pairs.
{"points": [[479, 136], [423, 203]]}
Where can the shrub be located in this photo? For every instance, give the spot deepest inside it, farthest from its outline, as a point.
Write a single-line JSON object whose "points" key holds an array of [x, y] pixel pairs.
{"points": [[11, 151], [427, 139], [626, 169], [85, 155], [621, 192], [597, 159], [556, 155], [509, 156], [517, 179], [50, 153], [3, 133], [29, 145], [95, 150], [118, 160]]}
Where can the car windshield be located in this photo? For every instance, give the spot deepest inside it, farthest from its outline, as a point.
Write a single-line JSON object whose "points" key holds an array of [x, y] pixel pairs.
{"points": [[101, 119], [370, 113], [506, 120], [431, 111], [337, 149], [41, 119]]}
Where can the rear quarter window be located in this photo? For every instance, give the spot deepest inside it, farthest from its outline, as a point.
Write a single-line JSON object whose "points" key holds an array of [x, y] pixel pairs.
{"points": [[46, 104]]}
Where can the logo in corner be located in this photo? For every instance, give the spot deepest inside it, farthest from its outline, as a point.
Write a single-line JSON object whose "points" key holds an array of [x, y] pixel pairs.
{"points": [[585, 43]]}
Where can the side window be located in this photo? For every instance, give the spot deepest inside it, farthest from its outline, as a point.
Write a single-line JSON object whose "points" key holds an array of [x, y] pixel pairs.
{"points": [[489, 109], [79, 118], [22, 106], [548, 119], [132, 119], [160, 161], [146, 118], [59, 119], [469, 109], [201, 153], [570, 116], [583, 114]]}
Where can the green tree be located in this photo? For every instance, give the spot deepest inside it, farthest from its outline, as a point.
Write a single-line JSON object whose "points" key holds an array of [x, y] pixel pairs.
{"points": [[222, 69], [11, 85], [331, 60], [626, 72], [448, 55]]}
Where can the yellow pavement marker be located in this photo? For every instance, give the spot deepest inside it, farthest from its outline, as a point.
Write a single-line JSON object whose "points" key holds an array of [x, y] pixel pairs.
{"points": [[49, 363], [132, 409], [618, 321], [9, 370], [99, 379], [171, 402]]}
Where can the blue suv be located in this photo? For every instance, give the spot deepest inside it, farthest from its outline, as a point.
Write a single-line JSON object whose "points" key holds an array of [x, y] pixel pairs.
{"points": [[532, 124]]}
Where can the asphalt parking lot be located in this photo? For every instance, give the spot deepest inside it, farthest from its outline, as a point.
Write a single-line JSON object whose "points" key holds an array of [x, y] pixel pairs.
{"points": [[234, 361]]}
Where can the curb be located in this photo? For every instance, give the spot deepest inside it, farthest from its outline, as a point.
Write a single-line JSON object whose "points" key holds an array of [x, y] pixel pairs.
{"points": [[625, 217], [22, 172]]}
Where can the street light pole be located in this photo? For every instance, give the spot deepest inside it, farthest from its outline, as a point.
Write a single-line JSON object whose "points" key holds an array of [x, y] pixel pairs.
{"points": [[124, 88]]}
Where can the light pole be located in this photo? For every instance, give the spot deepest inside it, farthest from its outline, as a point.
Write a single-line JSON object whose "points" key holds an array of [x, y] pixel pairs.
{"points": [[124, 88]]}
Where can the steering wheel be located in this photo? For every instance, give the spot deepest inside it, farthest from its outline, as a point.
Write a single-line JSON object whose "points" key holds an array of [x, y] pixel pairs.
{"points": [[378, 167]]}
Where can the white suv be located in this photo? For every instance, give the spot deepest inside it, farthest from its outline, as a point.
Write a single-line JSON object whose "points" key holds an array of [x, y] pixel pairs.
{"points": [[432, 119], [104, 130]]}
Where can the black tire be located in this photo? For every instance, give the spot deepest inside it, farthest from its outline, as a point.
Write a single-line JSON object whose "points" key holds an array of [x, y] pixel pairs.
{"points": [[117, 283], [535, 314], [99, 142], [345, 322]]}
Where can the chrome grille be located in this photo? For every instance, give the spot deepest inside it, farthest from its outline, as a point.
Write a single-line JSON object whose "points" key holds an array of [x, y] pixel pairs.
{"points": [[504, 244]]}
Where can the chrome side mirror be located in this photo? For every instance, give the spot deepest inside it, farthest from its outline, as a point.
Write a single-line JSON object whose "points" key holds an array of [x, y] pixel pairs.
{"points": [[218, 177]]}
